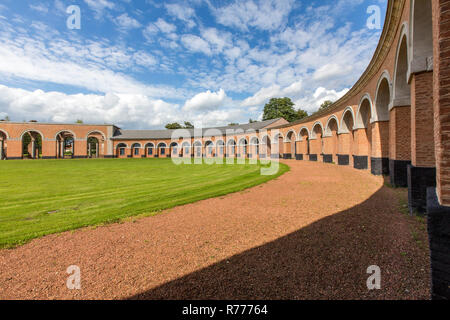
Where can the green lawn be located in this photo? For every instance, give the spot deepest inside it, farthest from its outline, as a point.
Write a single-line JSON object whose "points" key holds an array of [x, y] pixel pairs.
{"points": [[47, 196]]}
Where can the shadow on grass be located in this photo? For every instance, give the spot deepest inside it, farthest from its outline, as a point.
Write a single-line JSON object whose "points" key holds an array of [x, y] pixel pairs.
{"points": [[325, 260]]}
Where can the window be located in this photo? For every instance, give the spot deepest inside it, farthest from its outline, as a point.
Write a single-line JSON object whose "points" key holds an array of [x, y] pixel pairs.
{"points": [[174, 150], [122, 151], [136, 151], [186, 150], [163, 151], [150, 151]]}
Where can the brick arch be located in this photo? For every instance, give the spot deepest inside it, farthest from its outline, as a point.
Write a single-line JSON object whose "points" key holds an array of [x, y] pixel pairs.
{"points": [[420, 36], [65, 130], [365, 113], [344, 126], [313, 133], [31, 130], [93, 132], [5, 133], [316, 145], [401, 92], [328, 131]]}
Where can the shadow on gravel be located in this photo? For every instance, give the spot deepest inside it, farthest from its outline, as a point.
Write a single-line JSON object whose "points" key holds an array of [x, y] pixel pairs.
{"points": [[325, 260]]}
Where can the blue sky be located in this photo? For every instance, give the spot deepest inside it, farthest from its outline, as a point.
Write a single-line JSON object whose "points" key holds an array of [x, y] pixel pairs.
{"points": [[145, 63]]}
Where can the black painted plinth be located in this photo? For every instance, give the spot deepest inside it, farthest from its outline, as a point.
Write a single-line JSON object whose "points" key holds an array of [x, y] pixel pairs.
{"points": [[419, 180], [361, 162], [439, 237], [343, 159], [327, 158], [313, 157], [299, 156], [275, 156], [287, 156], [379, 166], [398, 172]]}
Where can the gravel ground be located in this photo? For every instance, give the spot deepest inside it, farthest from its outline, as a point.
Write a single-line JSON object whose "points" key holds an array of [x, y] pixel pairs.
{"points": [[310, 234]]}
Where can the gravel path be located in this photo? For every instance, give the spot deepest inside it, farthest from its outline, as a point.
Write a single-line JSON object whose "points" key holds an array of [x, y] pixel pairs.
{"points": [[310, 234]]}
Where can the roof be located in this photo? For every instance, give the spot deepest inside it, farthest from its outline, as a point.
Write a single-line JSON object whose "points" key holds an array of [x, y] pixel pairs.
{"points": [[167, 134]]}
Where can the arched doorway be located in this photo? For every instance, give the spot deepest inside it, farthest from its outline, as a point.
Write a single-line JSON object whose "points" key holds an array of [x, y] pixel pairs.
{"points": [[186, 149], [32, 145], [95, 145], [316, 142], [136, 150], [220, 145], [121, 150], [400, 120], [254, 148], [243, 148], [197, 149], [161, 150], [363, 136], [331, 143], [150, 150], [304, 144], [290, 145], [266, 148], [346, 138], [209, 149], [231, 148], [65, 145], [173, 150]]}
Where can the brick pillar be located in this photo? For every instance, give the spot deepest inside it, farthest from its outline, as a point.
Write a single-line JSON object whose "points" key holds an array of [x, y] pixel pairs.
{"points": [[400, 145], [1, 149], [379, 163], [361, 150], [438, 201], [422, 171], [80, 149], [345, 145]]}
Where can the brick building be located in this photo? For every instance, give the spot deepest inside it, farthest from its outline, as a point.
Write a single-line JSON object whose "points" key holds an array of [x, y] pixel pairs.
{"points": [[394, 121]]}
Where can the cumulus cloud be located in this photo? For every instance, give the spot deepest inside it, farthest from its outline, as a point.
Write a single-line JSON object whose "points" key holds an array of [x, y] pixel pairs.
{"points": [[196, 44], [264, 15], [126, 22], [182, 13], [99, 6], [206, 101]]}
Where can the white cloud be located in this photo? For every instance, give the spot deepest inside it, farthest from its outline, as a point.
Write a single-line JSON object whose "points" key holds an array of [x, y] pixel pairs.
{"points": [[165, 26], [99, 6], [196, 44], [311, 103], [126, 22], [39, 7], [182, 13], [264, 15], [206, 101]]}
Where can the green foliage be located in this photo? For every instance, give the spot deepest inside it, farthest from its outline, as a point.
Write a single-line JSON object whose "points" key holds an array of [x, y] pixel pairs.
{"points": [[45, 197], [325, 104], [252, 121], [176, 125], [233, 124], [79, 121], [301, 114], [283, 108], [280, 108]]}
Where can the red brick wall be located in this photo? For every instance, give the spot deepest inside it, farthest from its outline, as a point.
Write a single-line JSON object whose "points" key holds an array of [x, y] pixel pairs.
{"points": [[441, 96], [422, 126], [400, 133]]}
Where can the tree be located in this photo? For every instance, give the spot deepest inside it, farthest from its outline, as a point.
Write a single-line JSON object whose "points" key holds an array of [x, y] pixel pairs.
{"points": [[188, 125], [252, 121], [280, 108], [233, 124], [301, 114], [173, 126], [176, 125], [325, 104], [79, 121]]}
